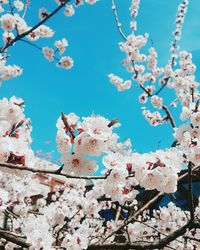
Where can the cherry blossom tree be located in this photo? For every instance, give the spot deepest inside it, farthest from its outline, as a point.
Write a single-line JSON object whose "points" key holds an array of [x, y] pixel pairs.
{"points": [[131, 184]]}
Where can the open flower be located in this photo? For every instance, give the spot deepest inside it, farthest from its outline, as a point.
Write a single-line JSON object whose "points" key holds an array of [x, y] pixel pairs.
{"points": [[78, 165], [97, 127]]}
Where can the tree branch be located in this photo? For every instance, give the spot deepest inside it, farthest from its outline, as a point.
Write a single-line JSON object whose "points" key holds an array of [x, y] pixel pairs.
{"points": [[65, 121], [157, 245], [35, 46], [143, 208], [169, 116], [43, 171], [190, 195], [117, 20], [20, 36], [15, 238]]}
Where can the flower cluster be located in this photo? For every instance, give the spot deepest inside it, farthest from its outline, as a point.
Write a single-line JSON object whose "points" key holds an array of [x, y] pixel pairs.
{"points": [[157, 170], [15, 138], [165, 220], [65, 62], [182, 9], [183, 80], [119, 82], [8, 71], [66, 219], [134, 8], [16, 191], [188, 135], [78, 141], [69, 10], [154, 118]]}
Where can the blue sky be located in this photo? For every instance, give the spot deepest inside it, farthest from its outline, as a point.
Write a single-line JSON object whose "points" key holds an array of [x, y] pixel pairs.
{"points": [[93, 44]]}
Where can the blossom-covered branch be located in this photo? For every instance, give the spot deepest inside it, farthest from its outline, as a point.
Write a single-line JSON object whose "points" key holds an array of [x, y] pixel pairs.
{"points": [[26, 33]]}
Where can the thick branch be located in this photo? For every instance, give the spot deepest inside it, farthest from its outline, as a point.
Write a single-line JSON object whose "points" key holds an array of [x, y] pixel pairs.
{"points": [[19, 240]]}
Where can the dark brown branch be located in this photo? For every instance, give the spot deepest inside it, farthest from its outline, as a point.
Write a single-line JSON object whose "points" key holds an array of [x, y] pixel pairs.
{"points": [[162, 87], [156, 245], [191, 238], [20, 36], [31, 44], [184, 192], [131, 219], [190, 194], [169, 116], [155, 229], [197, 105], [43, 171], [17, 239], [65, 225], [112, 122]]}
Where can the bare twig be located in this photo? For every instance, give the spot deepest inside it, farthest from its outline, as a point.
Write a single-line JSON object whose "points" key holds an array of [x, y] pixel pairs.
{"points": [[36, 46], [25, 8], [117, 20]]}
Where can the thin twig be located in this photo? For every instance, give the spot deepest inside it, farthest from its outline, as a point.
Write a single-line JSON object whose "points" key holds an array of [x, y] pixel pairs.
{"points": [[65, 224], [117, 21], [36, 46]]}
